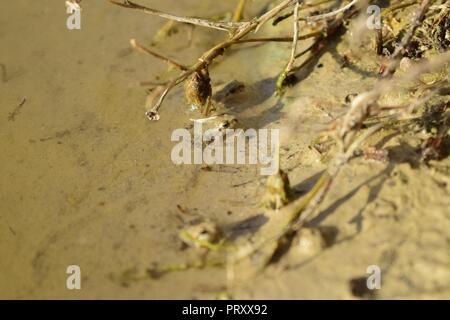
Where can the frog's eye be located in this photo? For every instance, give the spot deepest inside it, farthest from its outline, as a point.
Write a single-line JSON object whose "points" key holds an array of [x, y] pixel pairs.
{"points": [[226, 124]]}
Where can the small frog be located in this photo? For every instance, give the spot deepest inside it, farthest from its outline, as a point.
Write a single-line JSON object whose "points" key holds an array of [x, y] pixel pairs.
{"points": [[217, 125], [278, 191], [205, 234], [221, 122]]}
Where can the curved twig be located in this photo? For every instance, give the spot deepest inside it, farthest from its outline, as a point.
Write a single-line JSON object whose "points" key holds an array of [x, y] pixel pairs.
{"points": [[330, 14], [136, 45]]}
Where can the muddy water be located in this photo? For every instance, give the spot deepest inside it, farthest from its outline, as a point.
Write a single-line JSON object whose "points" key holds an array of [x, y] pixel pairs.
{"points": [[87, 180]]}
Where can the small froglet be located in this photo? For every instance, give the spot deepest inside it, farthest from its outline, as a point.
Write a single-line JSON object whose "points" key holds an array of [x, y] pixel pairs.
{"points": [[205, 234], [278, 191], [216, 125]]}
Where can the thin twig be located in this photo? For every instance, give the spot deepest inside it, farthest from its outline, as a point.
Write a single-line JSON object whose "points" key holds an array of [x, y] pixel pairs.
{"points": [[239, 11], [12, 115], [303, 7], [281, 39], [330, 14], [230, 27], [318, 45], [140, 47], [295, 40], [288, 68]]}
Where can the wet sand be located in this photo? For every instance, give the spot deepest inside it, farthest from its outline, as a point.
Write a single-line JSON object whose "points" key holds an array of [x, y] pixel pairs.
{"points": [[87, 180]]}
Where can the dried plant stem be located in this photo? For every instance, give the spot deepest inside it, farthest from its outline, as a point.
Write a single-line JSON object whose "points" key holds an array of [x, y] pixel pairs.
{"points": [[281, 39], [303, 7], [238, 13], [170, 61], [330, 14], [379, 41], [319, 43], [230, 27], [295, 40], [290, 64]]}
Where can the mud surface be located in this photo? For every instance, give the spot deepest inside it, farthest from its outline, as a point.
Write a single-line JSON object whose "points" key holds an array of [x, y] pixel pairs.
{"points": [[88, 180]]}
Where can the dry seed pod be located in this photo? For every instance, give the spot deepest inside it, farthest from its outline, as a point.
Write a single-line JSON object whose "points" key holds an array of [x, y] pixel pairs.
{"points": [[198, 90]]}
